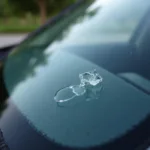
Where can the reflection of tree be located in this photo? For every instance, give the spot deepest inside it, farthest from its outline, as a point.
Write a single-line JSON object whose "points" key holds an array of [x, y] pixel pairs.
{"points": [[22, 64], [77, 18], [65, 24], [93, 12]]}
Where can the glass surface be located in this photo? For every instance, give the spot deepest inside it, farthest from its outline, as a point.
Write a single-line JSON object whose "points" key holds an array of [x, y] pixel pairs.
{"points": [[34, 97], [95, 22], [111, 37]]}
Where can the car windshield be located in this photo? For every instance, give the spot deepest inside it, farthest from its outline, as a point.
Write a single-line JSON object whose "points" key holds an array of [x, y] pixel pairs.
{"points": [[84, 73], [95, 22]]}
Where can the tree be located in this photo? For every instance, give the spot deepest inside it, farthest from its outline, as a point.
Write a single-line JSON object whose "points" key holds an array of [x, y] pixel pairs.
{"points": [[41, 7], [52, 5]]}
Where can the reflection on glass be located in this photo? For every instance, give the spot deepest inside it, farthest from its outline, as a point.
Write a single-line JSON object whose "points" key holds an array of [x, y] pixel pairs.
{"points": [[24, 65]]}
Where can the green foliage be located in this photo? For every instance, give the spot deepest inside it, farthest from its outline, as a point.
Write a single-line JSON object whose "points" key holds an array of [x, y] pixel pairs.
{"points": [[21, 7], [19, 25], [27, 13], [17, 29], [56, 6], [5, 9]]}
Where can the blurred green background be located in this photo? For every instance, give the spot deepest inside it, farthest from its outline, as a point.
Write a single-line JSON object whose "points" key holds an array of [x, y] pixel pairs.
{"points": [[22, 16]]}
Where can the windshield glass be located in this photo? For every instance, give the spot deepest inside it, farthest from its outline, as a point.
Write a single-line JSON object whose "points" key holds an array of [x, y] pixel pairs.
{"points": [[96, 22], [84, 74]]}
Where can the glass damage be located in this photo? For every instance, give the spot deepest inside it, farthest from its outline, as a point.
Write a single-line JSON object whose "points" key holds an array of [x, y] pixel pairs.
{"points": [[90, 86]]}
